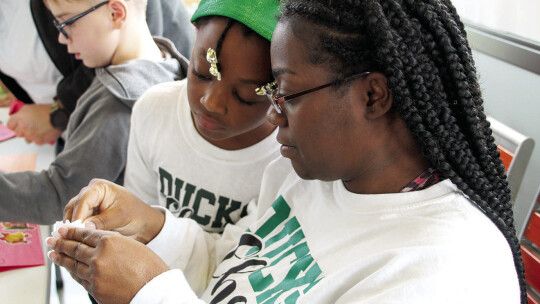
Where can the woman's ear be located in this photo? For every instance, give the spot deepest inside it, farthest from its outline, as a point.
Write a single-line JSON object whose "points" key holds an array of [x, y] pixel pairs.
{"points": [[118, 10], [376, 96]]}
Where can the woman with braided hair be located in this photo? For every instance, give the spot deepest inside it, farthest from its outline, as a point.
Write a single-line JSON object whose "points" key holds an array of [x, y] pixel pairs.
{"points": [[395, 193]]}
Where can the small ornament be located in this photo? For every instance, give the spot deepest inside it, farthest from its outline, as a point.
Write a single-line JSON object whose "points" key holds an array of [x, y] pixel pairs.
{"points": [[212, 59], [266, 89]]}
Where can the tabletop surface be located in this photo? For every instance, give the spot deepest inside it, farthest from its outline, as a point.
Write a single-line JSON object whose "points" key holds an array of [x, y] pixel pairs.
{"points": [[45, 153], [32, 284]]}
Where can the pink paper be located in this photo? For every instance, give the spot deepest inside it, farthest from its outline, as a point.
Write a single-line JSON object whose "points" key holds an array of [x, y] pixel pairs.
{"points": [[5, 133], [20, 246]]}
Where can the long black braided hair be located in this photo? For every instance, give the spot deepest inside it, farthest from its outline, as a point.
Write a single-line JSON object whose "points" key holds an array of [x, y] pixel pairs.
{"points": [[421, 47]]}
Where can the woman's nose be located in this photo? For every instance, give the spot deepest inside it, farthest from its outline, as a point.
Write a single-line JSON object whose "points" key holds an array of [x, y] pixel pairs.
{"points": [[275, 118]]}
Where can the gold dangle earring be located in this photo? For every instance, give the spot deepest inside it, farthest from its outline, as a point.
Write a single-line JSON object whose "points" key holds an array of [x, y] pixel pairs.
{"points": [[211, 57]]}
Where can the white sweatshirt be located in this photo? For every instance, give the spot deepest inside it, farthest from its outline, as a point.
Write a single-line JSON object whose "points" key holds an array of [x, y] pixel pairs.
{"points": [[171, 164], [316, 242]]}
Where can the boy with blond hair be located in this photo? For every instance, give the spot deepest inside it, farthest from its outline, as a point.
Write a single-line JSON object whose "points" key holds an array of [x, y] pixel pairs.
{"points": [[112, 37], [38, 68]]}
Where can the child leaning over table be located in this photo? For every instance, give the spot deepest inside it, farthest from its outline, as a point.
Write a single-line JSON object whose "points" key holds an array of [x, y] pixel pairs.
{"points": [[205, 155], [112, 37]]}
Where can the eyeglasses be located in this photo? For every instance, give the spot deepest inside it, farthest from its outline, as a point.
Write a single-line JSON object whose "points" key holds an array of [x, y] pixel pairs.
{"points": [[270, 90], [60, 26]]}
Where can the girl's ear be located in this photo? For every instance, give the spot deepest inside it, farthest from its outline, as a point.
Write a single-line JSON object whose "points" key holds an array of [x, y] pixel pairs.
{"points": [[376, 96], [118, 10]]}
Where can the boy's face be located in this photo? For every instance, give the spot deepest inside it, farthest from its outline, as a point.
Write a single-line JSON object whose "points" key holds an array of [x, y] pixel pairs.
{"points": [[91, 38], [228, 113]]}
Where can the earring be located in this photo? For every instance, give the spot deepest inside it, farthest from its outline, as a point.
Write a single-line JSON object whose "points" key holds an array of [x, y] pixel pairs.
{"points": [[212, 59]]}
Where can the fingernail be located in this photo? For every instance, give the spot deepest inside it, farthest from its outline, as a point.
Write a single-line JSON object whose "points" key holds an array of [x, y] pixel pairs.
{"points": [[62, 231], [52, 255], [51, 242], [89, 225]]}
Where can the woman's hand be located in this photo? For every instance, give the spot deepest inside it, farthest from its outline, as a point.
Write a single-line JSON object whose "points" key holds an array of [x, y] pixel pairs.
{"points": [[112, 207], [111, 267]]}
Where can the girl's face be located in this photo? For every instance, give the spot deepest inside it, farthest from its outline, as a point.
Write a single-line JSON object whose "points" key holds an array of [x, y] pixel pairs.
{"points": [[228, 113], [91, 38], [324, 133]]}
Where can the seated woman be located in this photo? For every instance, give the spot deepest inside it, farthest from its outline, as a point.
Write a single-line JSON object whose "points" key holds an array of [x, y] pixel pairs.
{"points": [[395, 194]]}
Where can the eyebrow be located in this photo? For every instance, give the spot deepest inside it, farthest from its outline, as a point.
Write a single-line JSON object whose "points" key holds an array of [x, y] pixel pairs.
{"points": [[59, 16], [62, 15], [280, 71], [253, 81], [202, 52]]}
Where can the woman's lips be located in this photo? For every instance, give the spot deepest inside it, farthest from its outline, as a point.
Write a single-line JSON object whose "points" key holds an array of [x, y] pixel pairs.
{"points": [[287, 150]]}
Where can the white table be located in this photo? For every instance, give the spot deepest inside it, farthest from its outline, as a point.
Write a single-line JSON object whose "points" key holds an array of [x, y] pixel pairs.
{"points": [[27, 285]]}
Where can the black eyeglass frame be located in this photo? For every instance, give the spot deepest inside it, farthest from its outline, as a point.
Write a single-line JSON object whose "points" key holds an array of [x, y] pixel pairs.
{"points": [[60, 26], [271, 88]]}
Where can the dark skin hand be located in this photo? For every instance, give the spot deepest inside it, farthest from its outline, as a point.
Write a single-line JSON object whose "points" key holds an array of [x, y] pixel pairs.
{"points": [[112, 207], [91, 257]]}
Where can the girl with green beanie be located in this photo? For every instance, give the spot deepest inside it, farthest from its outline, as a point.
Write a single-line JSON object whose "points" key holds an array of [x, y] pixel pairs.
{"points": [[198, 147]]}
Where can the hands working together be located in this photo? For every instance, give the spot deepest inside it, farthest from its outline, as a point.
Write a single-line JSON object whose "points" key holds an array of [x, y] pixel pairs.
{"points": [[117, 224]]}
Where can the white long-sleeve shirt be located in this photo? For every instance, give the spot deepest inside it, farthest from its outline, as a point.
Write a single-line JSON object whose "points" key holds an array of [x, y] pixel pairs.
{"points": [[170, 164], [316, 242]]}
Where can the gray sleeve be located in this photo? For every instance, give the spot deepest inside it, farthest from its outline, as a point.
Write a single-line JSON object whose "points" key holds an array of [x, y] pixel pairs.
{"points": [[171, 19], [96, 148]]}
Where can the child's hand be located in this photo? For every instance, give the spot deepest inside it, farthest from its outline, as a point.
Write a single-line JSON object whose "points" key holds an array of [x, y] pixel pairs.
{"points": [[111, 267], [112, 207], [33, 123]]}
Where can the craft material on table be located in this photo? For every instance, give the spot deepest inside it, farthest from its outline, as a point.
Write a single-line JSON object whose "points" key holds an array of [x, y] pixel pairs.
{"points": [[20, 243], [5, 133], [20, 246]]}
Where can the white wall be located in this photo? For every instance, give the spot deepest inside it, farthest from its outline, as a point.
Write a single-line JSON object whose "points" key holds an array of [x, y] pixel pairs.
{"points": [[512, 96], [518, 17]]}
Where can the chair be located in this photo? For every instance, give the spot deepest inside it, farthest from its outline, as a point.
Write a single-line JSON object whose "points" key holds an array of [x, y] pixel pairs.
{"points": [[515, 149], [530, 250]]}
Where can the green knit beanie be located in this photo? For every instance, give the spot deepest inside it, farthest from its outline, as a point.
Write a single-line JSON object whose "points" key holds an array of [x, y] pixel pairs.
{"points": [[258, 15]]}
